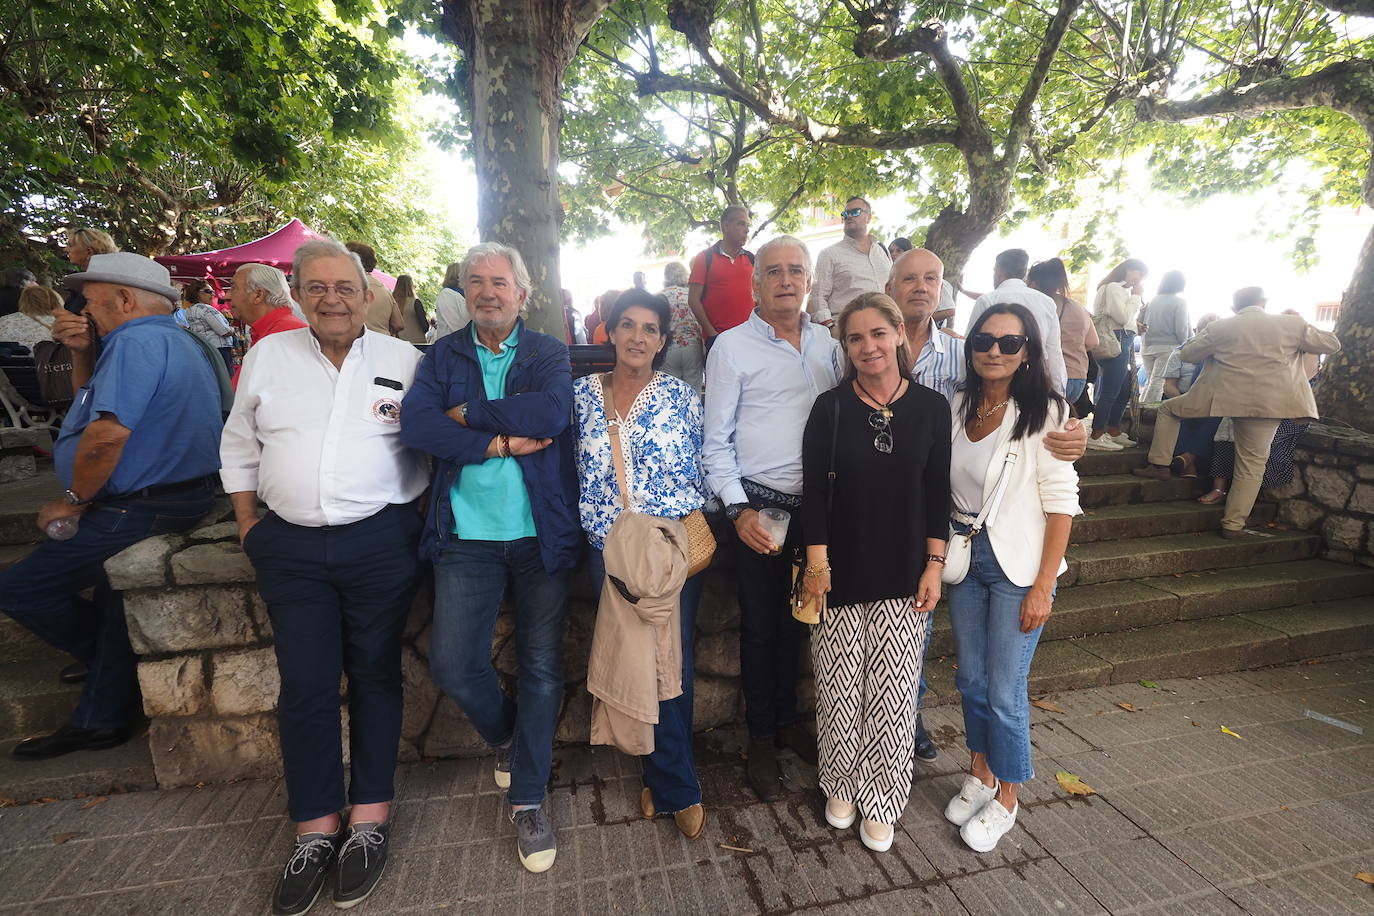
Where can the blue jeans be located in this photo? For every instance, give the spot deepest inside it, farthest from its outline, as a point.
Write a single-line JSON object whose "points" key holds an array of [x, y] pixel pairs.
{"points": [[1195, 438], [994, 661], [1073, 389], [470, 580], [41, 592], [1114, 385], [670, 772], [338, 597]]}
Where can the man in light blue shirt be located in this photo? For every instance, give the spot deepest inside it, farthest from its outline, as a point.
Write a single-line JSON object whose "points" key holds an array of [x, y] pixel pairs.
{"points": [[761, 380], [915, 284]]}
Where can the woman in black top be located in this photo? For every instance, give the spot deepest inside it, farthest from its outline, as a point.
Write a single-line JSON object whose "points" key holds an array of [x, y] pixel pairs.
{"points": [[874, 547]]}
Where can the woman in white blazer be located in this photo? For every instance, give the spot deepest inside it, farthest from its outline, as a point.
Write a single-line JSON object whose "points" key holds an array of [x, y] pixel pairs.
{"points": [[998, 609]]}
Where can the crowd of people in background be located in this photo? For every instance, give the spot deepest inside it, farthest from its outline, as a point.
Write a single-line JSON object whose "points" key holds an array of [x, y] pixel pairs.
{"points": [[863, 462]]}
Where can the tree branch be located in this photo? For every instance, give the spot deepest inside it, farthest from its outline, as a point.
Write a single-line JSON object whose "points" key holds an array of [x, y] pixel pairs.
{"points": [[1020, 126], [1350, 7]]}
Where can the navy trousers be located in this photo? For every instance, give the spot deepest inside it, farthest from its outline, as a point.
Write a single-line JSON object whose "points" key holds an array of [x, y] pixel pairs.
{"points": [[338, 597], [42, 592]]}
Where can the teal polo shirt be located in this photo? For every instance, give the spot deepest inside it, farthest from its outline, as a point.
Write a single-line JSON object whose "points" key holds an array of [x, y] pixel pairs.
{"points": [[490, 502]]}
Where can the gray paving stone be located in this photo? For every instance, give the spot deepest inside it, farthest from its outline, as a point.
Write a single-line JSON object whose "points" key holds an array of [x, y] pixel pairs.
{"points": [[1121, 876], [1036, 888]]}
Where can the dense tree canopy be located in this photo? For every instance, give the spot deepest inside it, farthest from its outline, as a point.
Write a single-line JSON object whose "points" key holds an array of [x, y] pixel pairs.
{"points": [[190, 124]]}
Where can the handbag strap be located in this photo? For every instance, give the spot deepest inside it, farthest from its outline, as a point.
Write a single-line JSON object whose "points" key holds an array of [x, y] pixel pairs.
{"points": [[830, 475], [989, 513], [613, 424]]}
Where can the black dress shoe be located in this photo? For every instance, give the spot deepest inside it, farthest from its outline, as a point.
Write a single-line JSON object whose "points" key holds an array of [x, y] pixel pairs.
{"points": [[303, 877], [69, 738], [362, 859], [75, 673], [925, 748], [799, 740], [761, 770]]}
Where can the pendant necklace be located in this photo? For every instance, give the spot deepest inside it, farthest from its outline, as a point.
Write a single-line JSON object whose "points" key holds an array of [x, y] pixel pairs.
{"points": [[987, 414], [883, 407]]}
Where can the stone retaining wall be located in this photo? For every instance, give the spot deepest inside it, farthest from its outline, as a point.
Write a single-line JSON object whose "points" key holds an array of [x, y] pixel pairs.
{"points": [[16, 453], [1332, 492], [209, 676]]}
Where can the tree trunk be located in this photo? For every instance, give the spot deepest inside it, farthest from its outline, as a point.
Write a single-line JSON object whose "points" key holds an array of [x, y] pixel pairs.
{"points": [[1346, 390], [517, 52]]}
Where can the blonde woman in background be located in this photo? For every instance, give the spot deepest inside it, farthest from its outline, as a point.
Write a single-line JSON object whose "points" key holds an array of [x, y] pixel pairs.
{"points": [[33, 321], [450, 306]]}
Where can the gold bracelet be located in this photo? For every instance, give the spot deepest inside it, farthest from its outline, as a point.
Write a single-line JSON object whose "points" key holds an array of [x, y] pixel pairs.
{"points": [[817, 569]]}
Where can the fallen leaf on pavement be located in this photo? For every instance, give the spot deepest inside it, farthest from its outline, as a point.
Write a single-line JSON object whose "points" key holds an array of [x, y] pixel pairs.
{"points": [[1227, 731], [1128, 707], [1364, 876], [1283, 807], [1072, 784], [1150, 684], [734, 848], [1197, 724], [60, 838], [1047, 706], [98, 800]]}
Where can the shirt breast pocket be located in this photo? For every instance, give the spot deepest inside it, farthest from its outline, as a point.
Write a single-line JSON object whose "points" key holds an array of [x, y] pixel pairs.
{"points": [[384, 405]]}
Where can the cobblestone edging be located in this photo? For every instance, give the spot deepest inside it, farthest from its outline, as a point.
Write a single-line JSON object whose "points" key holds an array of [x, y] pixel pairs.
{"points": [[1332, 492], [16, 453], [209, 675]]}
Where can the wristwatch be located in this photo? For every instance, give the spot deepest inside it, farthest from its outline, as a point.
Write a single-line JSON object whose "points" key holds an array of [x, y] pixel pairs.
{"points": [[734, 510], [463, 411], [73, 499]]}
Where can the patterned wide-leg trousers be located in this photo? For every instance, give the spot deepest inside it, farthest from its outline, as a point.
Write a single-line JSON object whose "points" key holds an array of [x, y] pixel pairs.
{"points": [[868, 670]]}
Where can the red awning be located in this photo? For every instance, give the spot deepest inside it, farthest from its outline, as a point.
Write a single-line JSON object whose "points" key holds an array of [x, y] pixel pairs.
{"points": [[275, 249]]}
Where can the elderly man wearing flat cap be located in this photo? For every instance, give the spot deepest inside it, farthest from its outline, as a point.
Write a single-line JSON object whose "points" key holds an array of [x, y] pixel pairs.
{"points": [[136, 457]]}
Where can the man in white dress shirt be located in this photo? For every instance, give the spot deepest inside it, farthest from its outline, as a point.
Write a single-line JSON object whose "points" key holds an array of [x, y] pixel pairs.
{"points": [[761, 379], [315, 433], [856, 264], [1009, 276]]}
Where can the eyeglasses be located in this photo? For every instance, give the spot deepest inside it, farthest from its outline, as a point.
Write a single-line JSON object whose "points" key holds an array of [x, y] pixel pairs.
{"points": [[852, 213], [883, 441], [1009, 344], [342, 290]]}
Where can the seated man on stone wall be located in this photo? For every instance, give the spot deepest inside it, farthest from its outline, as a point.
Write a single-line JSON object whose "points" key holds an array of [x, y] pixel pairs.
{"points": [[492, 403], [136, 456], [315, 432]]}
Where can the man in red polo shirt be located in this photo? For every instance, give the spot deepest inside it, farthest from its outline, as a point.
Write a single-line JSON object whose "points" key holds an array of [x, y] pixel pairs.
{"points": [[720, 289], [261, 299]]}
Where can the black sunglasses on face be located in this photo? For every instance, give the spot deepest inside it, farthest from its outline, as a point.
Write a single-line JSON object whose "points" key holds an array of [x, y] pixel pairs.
{"points": [[851, 213], [1009, 344]]}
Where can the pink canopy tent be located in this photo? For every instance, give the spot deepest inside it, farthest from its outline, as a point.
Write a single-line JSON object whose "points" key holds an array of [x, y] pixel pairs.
{"points": [[274, 249]]}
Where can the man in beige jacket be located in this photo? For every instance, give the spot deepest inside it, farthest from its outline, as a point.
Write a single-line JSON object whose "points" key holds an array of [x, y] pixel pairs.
{"points": [[1254, 374]]}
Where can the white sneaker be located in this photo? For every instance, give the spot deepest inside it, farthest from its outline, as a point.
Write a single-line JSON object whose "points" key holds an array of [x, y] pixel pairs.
{"points": [[982, 833], [1104, 444], [872, 842], [973, 795], [1123, 440], [840, 814]]}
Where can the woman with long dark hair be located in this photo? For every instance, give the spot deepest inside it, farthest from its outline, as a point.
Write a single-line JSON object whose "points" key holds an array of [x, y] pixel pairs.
{"points": [[875, 503], [1117, 305], [1026, 499], [1077, 336]]}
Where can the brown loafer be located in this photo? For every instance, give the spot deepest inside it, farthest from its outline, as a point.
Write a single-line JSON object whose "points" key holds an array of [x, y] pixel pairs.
{"points": [[691, 821], [646, 803], [1153, 471]]}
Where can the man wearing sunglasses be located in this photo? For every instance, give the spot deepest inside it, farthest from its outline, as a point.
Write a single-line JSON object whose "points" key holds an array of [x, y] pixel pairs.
{"points": [[1009, 276], [856, 264]]}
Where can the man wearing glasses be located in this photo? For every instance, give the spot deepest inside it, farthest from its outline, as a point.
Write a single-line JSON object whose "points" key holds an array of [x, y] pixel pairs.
{"points": [[856, 264], [315, 432]]}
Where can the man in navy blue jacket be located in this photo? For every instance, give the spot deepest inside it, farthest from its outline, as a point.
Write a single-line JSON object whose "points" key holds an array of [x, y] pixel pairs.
{"points": [[491, 403]]}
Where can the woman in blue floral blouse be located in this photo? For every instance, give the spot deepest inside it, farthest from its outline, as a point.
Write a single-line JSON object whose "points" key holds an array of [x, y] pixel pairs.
{"points": [[660, 421]]}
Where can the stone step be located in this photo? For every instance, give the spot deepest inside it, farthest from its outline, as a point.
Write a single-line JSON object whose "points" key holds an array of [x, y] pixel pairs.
{"points": [[1100, 464], [1114, 523], [126, 768], [1126, 489], [32, 700], [1186, 648], [19, 503], [1107, 607], [1138, 558], [17, 644]]}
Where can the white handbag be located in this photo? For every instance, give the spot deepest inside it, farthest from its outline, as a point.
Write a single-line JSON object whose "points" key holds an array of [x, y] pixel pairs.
{"points": [[959, 550]]}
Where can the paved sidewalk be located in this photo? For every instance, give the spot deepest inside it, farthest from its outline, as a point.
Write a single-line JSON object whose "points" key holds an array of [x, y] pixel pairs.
{"points": [[1189, 820]]}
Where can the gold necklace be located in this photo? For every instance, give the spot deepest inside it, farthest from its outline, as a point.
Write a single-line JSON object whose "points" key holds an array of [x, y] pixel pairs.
{"points": [[985, 415]]}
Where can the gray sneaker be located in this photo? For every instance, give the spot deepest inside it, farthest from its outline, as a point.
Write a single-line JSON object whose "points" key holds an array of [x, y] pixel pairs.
{"points": [[502, 773], [534, 839]]}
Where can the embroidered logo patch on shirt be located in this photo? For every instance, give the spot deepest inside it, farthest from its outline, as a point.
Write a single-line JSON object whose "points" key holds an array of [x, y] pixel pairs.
{"points": [[388, 410]]}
